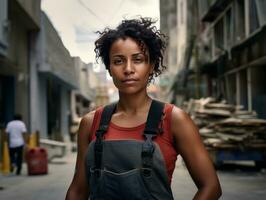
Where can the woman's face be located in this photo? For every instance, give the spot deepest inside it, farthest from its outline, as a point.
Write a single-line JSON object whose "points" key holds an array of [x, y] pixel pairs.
{"points": [[129, 66]]}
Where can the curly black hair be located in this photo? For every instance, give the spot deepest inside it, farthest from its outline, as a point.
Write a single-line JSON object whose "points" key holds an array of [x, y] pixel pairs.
{"points": [[141, 30]]}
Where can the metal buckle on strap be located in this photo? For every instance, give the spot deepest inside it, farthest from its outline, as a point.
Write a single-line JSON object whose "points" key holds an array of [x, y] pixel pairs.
{"points": [[147, 153], [148, 146]]}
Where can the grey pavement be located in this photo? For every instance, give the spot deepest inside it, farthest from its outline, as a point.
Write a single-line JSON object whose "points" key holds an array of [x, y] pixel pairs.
{"points": [[238, 182], [244, 184], [49, 187]]}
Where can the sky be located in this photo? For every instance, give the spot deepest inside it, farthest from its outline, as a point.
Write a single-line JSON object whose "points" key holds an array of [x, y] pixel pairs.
{"points": [[76, 21]]}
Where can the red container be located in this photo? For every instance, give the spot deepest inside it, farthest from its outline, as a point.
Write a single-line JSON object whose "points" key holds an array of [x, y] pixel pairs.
{"points": [[37, 161]]}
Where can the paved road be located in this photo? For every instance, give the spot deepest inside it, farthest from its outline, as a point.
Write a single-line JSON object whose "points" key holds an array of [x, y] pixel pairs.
{"points": [[41, 187], [244, 184], [238, 182]]}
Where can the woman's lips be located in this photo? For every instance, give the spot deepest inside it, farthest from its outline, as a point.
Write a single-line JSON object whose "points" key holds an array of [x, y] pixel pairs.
{"points": [[130, 81]]}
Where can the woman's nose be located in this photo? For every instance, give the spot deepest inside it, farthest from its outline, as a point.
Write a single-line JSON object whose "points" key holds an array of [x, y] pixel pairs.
{"points": [[129, 68]]}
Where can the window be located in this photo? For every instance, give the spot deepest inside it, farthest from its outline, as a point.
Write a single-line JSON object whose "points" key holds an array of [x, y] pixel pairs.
{"points": [[261, 7], [229, 28], [239, 25], [219, 36], [253, 17]]}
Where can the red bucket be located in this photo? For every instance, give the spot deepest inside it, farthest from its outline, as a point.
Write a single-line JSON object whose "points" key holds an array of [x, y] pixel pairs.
{"points": [[37, 161]]}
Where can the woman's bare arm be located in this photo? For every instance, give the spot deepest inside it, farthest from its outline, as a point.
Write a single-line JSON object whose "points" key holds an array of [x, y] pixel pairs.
{"points": [[192, 150], [78, 188]]}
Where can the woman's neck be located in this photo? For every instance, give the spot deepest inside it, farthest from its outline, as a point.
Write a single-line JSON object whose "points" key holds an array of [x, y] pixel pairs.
{"points": [[133, 104]]}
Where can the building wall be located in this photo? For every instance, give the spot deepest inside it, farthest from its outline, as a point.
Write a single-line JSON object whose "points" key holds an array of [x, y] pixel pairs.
{"points": [[93, 79], [3, 26], [83, 72], [182, 32], [65, 113], [56, 59], [168, 26], [237, 34], [41, 109], [15, 62], [35, 87], [52, 77], [32, 8]]}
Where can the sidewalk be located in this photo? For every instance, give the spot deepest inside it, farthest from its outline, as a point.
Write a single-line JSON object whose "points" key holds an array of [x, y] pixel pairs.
{"points": [[42, 187]]}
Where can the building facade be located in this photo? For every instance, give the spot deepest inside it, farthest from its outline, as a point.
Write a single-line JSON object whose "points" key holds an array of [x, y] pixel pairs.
{"points": [[82, 98], [168, 26], [53, 77], [18, 20], [221, 52], [37, 73], [236, 46], [181, 31]]}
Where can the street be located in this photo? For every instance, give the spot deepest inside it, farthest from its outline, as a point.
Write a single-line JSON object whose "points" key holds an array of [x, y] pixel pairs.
{"points": [[244, 183], [237, 182]]}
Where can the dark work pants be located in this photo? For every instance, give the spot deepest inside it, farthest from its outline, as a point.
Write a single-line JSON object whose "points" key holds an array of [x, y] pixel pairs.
{"points": [[16, 156]]}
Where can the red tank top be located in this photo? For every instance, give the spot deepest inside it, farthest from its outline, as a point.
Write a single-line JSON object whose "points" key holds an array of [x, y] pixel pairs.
{"points": [[164, 140]]}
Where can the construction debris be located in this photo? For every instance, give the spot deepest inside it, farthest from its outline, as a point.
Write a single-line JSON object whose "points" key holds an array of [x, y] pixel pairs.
{"points": [[222, 125]]}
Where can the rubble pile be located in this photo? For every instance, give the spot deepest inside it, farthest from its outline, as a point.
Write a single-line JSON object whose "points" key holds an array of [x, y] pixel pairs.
{"points": [[222, 125]]}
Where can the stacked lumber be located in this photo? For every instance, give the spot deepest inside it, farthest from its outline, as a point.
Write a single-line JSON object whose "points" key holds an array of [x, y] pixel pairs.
{"points": [[222, 125]]}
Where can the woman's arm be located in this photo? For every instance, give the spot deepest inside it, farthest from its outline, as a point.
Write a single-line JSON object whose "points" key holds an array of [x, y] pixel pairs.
{"points": [[192, 150], [78, 188]]}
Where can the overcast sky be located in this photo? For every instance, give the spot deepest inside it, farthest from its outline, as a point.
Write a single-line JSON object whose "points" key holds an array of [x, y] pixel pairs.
{"points": [[77, 20]]}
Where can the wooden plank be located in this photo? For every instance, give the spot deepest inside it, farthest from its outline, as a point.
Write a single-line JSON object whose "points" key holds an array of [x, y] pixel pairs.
{"points": [[218, 112]]}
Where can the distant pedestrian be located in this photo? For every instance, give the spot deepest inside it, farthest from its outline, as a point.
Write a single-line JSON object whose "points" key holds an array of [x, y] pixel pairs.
{"points": [[16, 132]]}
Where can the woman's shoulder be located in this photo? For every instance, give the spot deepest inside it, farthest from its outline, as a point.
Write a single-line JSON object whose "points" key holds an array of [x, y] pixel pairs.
{"points": [[87, 120], [178, 115], [89, 117]]}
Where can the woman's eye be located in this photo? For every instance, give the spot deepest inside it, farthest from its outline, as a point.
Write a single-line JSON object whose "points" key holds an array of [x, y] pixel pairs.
{"points": [[118, 61], [138, 60]]}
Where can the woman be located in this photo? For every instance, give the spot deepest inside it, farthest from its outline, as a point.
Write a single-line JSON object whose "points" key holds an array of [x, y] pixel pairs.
{"points": [[128, 150]]}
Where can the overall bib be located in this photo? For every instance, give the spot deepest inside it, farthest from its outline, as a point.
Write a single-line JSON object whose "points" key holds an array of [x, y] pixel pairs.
{"points": [[128, 169]]}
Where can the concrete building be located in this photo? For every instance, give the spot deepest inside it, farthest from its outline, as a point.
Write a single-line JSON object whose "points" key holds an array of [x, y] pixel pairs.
{"points": [[168, 26], [221, 52], [101, 89], [178, 22], [53, 76], [19, 19], [236, 46], [83, 98], [37, 72]]}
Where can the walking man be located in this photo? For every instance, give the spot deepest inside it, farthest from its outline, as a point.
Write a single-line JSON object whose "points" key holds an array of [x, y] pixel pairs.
{"points": [[16, 132]]}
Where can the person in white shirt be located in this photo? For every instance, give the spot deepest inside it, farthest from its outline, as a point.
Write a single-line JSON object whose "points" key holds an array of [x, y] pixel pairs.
{"points": [[16, 132]]}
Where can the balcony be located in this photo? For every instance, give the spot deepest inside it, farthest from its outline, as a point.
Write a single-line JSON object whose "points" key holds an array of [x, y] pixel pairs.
{"points": [[55, 58]]}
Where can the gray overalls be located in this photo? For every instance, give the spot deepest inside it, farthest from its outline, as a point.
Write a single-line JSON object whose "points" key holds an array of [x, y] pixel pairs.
{"points": [[128, 169]]}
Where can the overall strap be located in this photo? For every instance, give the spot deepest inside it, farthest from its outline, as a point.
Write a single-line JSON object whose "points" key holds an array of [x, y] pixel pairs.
{"points": [[151, 130], [103, 127]]}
